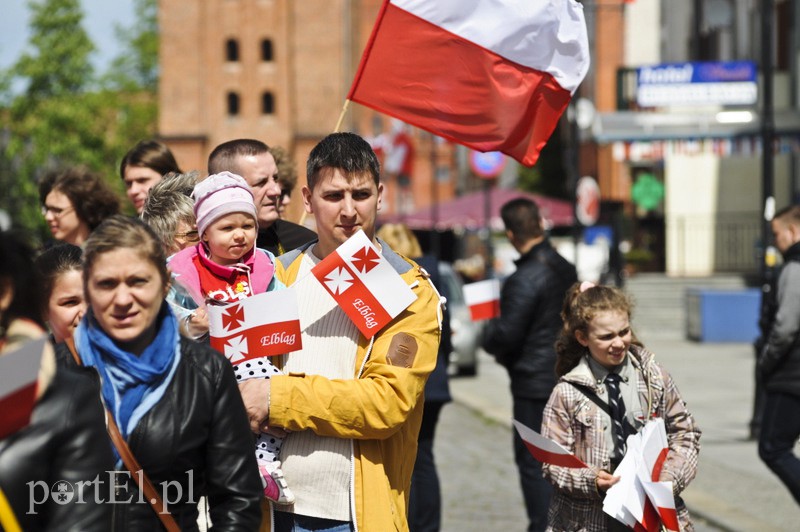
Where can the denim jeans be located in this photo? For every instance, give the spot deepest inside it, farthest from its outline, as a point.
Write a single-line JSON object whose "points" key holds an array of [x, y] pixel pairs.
{"points": [[780, 428], [286, 522], [536, 490]]}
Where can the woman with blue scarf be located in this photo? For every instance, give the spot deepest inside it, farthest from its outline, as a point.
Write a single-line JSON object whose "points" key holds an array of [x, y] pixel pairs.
{"points": [[175, 401]]}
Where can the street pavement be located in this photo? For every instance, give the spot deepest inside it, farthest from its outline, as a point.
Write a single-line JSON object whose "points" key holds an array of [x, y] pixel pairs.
{"points": [[733, 490]]}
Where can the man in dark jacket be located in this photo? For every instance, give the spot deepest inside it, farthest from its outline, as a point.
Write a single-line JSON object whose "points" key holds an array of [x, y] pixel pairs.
{"points": [[779, 363], [522, 338]]}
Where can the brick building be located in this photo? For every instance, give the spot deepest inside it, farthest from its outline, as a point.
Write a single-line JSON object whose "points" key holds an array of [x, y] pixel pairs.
{"points": [[278, 71]]}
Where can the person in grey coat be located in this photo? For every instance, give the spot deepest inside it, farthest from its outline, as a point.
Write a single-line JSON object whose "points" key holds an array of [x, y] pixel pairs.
{"points": [[779, 362]]}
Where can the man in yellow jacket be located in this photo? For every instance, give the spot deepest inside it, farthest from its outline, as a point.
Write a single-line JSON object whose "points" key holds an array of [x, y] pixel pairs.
{"points": [[352, 406]]}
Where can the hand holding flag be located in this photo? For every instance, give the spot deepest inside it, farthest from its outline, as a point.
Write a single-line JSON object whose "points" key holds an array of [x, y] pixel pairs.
{"points": [[639, 500]]}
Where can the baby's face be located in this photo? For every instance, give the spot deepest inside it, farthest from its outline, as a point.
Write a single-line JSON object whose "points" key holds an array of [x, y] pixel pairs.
{"points": [[230, 238]]}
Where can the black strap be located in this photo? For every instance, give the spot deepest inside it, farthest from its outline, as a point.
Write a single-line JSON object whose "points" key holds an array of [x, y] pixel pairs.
{"points": [[602, 405]]}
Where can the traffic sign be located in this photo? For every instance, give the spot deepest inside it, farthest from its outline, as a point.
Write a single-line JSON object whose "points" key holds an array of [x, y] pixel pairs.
{"points": [[487, 165]]}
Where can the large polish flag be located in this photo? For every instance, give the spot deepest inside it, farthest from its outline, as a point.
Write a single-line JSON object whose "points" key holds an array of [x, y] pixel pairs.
{"points": [[19, 372], [545, 450], [265, 324], [367, 288], [493, 75], [483, 299]]}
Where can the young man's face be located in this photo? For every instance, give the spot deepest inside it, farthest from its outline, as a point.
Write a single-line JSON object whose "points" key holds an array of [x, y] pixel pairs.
{"points": [[138, 182], [261, 174], [342, 206]]}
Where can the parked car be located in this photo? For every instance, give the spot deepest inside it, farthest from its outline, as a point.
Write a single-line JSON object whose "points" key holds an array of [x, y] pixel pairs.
{"points": [[466, 334]]}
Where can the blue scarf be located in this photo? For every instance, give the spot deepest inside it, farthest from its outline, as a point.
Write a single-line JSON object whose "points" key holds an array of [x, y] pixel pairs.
{"points": [[131, 384]]}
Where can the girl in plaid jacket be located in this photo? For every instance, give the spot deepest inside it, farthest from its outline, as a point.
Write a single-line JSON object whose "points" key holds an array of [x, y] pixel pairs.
{"points": [[596, 340]]}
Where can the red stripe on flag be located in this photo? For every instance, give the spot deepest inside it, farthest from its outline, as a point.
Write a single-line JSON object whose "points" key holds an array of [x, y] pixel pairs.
{"points": [[662, 456], [17, 408], [650, 520], [484, 311], [669, 516], [488, 103], [263, 340], [557, 459]]}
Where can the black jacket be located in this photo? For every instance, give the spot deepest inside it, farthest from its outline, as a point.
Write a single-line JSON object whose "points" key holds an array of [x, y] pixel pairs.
{"points": [[779, 360], [282, 236], [195, 441], [65, 441], [523, 337]]}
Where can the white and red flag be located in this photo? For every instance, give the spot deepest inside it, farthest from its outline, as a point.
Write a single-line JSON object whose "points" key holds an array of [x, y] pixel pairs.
{"points": [[545, 450], [19, 372], [483, 299], [492, 75], [639, 500], [367, 288], [265, 324]]}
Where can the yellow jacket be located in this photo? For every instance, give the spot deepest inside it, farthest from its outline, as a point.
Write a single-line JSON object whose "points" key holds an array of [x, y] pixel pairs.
{"points": [[380, 409]]}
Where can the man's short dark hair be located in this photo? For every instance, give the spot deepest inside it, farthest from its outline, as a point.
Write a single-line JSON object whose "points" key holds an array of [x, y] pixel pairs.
{"points": [[789, 215], [346, 151], [223, 157], [521, 217]]}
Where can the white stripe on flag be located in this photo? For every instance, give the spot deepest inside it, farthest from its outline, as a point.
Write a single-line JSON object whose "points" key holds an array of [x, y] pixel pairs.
{"points": [[515, 29]]}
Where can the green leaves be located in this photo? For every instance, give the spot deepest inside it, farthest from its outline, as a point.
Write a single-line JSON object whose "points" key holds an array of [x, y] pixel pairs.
{"points": [[57, 112]]}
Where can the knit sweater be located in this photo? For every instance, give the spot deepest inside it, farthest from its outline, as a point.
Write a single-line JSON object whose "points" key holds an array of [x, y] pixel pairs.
{"points": [[320, 479]]}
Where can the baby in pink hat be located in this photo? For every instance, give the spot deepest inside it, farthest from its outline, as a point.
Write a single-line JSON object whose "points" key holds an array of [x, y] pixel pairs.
{"points": [[225, 267]]}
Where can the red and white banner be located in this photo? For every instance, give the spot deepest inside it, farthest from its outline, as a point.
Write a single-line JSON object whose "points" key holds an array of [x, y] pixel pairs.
{"points": [[19, 372], [364, 284], [639, 500], [545, 450], [494, 76], [265, 324], [483, 299]]}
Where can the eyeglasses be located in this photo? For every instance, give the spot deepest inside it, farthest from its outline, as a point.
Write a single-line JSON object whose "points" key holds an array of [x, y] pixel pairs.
{"points": [[190, 236], [57, 212]]}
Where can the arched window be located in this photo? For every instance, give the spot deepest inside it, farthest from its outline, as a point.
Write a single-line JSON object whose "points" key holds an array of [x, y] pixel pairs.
{"points": [[267, 103], [231, 50], [233, 104], [266, 50]]}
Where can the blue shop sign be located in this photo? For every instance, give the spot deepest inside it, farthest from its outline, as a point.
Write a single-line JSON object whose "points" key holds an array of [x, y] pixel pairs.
{"points": [[697, 83]]}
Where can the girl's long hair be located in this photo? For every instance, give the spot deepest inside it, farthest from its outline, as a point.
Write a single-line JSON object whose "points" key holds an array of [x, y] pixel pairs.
{"points": [[580, 307]]}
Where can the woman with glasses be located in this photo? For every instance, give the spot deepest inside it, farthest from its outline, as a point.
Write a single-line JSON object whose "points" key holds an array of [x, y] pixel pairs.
{"points": [[169, 211], [74, 202]]}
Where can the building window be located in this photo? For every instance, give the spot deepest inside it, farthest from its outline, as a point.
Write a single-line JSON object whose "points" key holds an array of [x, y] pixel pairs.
{"points": [[233, 104], [267, 103], [232, 50], [266, 50]]}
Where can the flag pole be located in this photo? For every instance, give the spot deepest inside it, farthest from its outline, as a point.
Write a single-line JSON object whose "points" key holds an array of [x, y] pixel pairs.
{"points": [[341, 115]]}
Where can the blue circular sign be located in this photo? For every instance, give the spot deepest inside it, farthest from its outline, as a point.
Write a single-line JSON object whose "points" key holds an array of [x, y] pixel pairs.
{"points": [[487, 165]]}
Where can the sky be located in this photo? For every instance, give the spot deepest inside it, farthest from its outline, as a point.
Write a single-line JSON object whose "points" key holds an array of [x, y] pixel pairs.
{"points": [[100, 17]]}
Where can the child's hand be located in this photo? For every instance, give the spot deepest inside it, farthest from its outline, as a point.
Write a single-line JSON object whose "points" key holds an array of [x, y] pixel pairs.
{"points": [[197, 323], [275, 431], [605, 480]]}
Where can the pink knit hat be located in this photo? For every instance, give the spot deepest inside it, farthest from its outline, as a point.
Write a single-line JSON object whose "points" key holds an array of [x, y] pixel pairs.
{"points": [[219, 195]]}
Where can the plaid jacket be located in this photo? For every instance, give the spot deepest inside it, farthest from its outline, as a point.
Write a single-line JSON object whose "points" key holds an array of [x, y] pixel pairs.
{"points": [[574, 421]]}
